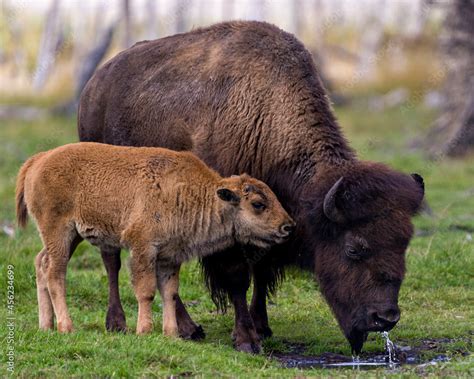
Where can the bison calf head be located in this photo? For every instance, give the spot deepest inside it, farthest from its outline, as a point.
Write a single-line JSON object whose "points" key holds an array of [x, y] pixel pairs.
{"points": [[364, 218], [259, 217]]}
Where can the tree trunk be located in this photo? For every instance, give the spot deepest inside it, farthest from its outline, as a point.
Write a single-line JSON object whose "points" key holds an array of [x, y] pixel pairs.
{"points": [[127, 34], [298, 18], [180, 15], [372, 38], [318, 48], [151, 24], [92, 60], [18, 55], [50, 41], [259, 11], [453, 132], [227, 10], [87, 64]]}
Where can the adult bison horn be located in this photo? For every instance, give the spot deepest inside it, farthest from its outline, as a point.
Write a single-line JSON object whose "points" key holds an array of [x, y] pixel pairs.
{"points": [[329, 206], [419, 180], [422, 205]]}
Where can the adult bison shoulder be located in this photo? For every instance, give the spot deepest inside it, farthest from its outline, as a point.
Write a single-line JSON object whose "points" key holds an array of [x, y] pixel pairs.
{"points": [[246, 97]]}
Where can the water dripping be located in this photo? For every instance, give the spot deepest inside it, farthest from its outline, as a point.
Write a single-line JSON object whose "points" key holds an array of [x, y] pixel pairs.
{"points": [[390, 349], [356, 362]]}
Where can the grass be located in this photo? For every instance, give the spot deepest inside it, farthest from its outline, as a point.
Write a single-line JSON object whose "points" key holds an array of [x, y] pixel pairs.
{"points": [[437, 296]]}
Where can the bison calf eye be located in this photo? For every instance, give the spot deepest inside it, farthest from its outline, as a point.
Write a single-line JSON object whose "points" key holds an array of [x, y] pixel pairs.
{"points": [[258, 206]]}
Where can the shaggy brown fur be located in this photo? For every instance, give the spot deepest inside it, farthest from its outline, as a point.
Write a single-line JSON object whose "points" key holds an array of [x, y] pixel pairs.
{"points": [[166, 207], [246, 97]]}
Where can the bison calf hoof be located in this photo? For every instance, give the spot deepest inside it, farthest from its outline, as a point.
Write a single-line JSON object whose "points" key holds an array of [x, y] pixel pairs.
{"points": [[115, 322], [65, 327], [145, 328], [195, 332], [46, 326], [250, 348], [142, 331], [171, 332]]}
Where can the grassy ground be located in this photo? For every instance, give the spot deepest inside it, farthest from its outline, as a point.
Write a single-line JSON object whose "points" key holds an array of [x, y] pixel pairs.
{"points": [[436, 299]]}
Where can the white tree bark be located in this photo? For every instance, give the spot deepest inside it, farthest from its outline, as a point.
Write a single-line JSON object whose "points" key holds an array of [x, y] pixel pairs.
{"points": [[227, 10], [453, 132], [92, 59], [127, 23], [259, 11], [50, 39], [180, 12], [372, 39], [297, 17], [151, 23]]}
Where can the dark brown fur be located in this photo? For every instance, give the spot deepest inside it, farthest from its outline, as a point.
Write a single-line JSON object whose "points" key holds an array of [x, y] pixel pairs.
{"points": [[246, 97]]}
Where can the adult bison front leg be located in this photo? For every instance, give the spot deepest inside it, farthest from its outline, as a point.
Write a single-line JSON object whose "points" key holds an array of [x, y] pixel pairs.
{"points": [[187, 328], [227, 275], [258, 306], [267, 272], [115, 319]]}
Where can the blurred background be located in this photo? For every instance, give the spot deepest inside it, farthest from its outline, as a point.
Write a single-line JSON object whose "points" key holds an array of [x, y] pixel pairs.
{"points": [[379, 54]]}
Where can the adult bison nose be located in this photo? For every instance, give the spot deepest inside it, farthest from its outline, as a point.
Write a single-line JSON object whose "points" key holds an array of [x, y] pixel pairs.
{"points": [[287, 228], [385, 319]]}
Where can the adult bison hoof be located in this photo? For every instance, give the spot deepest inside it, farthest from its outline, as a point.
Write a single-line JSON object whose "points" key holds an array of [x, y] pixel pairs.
{"points": [[115, 321], [192, 332], [250, 348], [246, 339], [264, 332], [198, 334]]}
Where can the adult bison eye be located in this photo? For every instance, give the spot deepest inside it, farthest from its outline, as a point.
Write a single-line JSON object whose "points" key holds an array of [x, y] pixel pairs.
{"points": [[355, 253], [258, 206]]}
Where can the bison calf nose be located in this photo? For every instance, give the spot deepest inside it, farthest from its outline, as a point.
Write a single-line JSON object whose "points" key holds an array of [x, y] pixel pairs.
{"points": [[386, 319], [287, 228]]}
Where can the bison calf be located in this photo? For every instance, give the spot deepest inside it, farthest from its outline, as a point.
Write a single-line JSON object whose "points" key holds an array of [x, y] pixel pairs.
{"points": [[169, 207]]}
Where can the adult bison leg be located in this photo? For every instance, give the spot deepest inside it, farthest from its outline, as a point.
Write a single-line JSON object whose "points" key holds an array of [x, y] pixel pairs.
{"points": [[258, 307], [187, 328], [267, 270], [244, 335], [115, 320], [227, 276]]}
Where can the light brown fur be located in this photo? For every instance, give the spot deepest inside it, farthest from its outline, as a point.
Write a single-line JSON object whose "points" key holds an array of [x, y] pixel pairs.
{"points": [[169, 208]]}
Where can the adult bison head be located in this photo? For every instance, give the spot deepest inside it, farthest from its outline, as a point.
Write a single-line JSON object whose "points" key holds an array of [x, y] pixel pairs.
{"points": [[362, 220]]}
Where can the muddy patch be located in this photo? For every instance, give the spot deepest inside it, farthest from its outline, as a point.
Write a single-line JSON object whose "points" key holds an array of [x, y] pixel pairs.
{"points": [[422, 353]]}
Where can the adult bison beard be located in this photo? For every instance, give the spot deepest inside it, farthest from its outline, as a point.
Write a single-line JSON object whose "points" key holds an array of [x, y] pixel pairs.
{"points": [[357, 339]]}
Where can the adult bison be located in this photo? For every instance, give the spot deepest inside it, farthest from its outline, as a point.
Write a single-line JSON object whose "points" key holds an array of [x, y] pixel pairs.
{"points": [[246, 97]]}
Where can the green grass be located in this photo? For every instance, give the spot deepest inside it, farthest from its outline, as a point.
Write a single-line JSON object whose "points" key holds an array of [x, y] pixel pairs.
{"points": [[437, 296]]}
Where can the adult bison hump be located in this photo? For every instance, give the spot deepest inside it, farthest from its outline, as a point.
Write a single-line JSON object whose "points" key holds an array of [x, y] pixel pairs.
{"points": [[250, 81]]}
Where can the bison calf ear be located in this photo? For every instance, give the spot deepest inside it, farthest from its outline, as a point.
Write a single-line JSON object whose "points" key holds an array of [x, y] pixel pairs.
{"points": [[228, 195]]}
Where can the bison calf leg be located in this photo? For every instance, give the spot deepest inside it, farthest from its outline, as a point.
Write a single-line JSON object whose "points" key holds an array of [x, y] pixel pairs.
{"points": [[187, 328], [168, 283], [45, 306], [142, 264], [115, 320], [58, 257]]}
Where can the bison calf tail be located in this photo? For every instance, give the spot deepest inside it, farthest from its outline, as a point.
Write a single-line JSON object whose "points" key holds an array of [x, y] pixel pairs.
{"points": [[21, 208]]}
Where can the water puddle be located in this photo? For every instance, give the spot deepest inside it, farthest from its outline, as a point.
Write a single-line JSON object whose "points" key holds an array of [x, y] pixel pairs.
{"points": [[392, 358]]}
